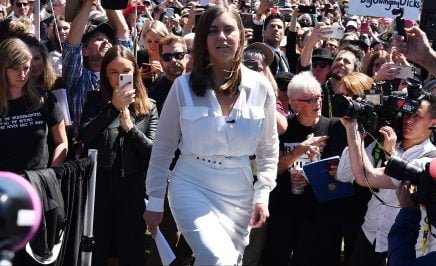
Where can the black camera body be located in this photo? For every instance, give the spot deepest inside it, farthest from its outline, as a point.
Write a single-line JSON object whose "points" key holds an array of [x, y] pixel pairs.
{"points": [[424, 179], [380, 106], [399, 22]]}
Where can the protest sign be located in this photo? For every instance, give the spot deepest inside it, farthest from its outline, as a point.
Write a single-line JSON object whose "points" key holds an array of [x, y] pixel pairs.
{"points": [[383, 8]]}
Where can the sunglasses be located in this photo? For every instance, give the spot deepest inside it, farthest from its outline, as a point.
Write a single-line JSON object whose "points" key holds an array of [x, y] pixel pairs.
{"points": [[320, 65], [312, 100], [169, 56], [21, 4], [331, 45]]}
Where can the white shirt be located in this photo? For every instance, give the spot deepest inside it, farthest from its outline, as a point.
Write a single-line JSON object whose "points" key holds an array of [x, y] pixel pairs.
{"points": [[226, 139], [379, 218]]}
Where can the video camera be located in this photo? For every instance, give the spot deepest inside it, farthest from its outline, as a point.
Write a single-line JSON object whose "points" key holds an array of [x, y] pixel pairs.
{"points": [[381, 105], [424, 179]]}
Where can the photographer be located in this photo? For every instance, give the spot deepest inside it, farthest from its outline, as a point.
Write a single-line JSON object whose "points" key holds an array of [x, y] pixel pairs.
{"points": [[404, 233], [371, 245]]}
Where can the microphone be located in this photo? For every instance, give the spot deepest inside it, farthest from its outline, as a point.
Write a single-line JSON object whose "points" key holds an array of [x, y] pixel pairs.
{"points": [[230, 121]]}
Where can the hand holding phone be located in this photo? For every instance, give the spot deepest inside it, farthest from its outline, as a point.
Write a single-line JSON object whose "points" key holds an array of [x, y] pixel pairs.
{"points": [[337, 33], [125, 81], [247, 20], [146, 67], [125, 94], [404, 71]]}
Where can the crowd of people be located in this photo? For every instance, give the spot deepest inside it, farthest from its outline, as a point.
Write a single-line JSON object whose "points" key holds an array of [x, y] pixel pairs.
{"points": [[224, 102]]}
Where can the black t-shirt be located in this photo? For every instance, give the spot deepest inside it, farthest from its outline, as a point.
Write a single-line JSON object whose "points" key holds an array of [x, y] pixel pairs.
{"points": [[293, 136], [23, 134]]}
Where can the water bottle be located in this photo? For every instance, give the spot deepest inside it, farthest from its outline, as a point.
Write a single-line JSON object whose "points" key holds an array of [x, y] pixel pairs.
{"points": [[297, 188]]}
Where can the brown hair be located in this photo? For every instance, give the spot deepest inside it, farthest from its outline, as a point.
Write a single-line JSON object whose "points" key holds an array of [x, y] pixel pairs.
{"points": [[378, 54], [14, 52], [200, 78], [142, 104], [48, 76], [172, 39]]}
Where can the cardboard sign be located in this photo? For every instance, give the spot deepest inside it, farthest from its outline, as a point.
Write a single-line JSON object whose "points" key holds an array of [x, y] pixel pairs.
{"points": [[383, 8]]}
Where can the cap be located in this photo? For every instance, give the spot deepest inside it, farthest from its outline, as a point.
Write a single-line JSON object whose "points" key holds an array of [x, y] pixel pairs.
{"points": [[283, 79], [92, 29], [269, 56], [131, 8], [351, 23], [322, 54]]}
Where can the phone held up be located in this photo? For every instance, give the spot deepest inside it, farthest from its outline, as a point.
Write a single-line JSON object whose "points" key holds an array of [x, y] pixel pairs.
{"points": [[125, 81], [146, 67]]}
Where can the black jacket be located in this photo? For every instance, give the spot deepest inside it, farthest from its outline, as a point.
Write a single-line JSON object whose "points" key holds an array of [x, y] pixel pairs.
{"points": [[133, 146]]}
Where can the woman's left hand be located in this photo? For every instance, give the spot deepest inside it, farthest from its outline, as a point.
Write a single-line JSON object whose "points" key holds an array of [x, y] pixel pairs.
{"points": [[125, 121], [259, 216]]}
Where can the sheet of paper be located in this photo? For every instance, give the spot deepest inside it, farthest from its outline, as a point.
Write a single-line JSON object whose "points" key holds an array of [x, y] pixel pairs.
{"points": [[61, 96], [165, 252]]}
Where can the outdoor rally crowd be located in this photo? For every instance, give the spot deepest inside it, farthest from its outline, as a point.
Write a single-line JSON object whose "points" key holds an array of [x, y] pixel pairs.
{"points": [[235, 97]]}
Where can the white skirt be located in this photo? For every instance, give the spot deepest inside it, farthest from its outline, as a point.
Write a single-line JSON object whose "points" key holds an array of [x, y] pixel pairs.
{"points": [[212, 204]]}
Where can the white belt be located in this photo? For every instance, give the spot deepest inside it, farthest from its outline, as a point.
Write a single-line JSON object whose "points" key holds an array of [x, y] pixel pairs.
{"points": [[219, 161]]}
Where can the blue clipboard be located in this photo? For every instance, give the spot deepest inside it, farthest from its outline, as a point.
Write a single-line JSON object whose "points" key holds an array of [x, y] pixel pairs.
{"points": [[323, 184]]}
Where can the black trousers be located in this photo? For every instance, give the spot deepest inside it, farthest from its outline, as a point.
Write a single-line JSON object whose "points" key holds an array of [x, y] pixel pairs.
{"points": [[364, 253]]}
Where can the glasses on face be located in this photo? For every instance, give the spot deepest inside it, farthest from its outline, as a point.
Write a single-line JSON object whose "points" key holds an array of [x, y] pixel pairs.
{"points": [[331, 45], [312, 100], [21, 4], [169, 56], [320, 64]]}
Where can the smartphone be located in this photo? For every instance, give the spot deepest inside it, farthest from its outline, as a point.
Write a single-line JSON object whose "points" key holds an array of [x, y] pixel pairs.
{"points": [[204, 2], [307, 9], [247, 20], [125, 79], [170, 13], [146, 67], [337, 33], [281, 3], [364, 27], [404, 71]]}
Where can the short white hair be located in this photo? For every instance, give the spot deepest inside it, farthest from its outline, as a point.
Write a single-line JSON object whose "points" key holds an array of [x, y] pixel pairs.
{"points": [[302, 83]]}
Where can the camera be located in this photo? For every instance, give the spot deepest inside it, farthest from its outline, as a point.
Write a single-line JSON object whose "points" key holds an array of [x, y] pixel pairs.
{"points": [[380, 105], [424, 179], [399, 22]]}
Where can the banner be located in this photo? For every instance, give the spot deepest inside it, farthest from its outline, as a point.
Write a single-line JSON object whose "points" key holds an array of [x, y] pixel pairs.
{"points": [[383, 8]]}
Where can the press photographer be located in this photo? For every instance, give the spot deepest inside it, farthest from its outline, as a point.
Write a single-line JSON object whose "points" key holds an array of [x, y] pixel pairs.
{"points": [[380, 106], [372, 246], [406, 230]]}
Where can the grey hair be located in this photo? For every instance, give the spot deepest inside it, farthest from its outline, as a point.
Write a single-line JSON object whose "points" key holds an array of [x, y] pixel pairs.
{"points": [[302, 83]]}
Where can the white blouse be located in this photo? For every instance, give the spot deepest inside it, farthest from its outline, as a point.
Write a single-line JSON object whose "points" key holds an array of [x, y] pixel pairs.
{"points": [[249, 129]]}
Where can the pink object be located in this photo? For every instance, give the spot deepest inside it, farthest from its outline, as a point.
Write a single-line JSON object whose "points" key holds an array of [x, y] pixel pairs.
{"points": [[432, 169], [36, 205]]}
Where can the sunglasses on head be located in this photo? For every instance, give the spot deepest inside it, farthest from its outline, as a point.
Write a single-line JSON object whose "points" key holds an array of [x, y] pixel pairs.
{"points": [[169, 56], [21, 4]]}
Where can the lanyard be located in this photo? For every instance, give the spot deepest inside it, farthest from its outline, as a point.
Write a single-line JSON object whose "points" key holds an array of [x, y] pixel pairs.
{"points": [[329, 98]]}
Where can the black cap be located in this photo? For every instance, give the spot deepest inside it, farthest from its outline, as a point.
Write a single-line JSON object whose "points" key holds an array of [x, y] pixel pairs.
{"points": [[322, 54], [283, 79], [103, 27]]}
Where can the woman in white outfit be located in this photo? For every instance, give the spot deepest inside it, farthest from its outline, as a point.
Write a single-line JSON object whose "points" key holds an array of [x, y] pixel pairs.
{"points": [[217, 116]]}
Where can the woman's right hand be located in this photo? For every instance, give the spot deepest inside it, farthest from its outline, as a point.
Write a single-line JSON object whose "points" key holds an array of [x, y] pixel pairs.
{"points": [[152, 220], [123, 97], [386, 72]]}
